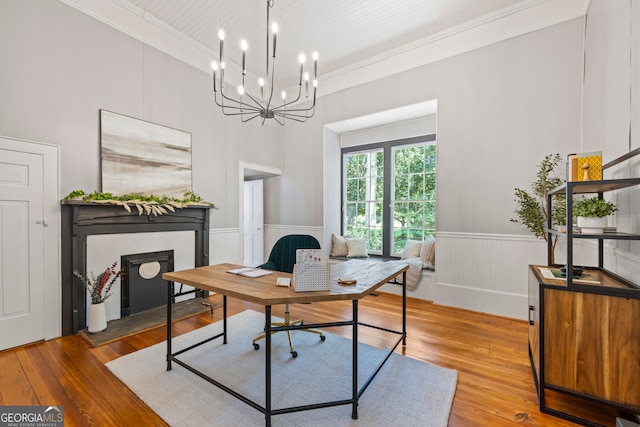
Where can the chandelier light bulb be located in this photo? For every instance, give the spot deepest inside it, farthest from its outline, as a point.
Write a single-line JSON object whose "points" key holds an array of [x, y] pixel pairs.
{"points": [[243, 45], [261, 82], [221, 34], [214, 65], [222, 65], [315, 82], [283, 95], [315, 56], [302, 58], [274, 28], [306, 77], [240, 90]]}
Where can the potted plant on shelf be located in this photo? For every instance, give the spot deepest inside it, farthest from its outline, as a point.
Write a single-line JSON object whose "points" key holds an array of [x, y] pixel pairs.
{"points": [[592, 214], [99, 288]]}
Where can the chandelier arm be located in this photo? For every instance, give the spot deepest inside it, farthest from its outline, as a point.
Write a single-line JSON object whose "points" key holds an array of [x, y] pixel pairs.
{"points": [[292, 114], [294, 110], [255, 101], [243, 110], [239, 105], [279, 122], [292, 101], [300, 119], [250, 118], [236, 107]]}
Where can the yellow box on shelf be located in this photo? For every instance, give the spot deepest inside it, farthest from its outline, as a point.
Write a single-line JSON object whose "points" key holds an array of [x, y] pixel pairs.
{"points": [[584, 166], [590, 166]]}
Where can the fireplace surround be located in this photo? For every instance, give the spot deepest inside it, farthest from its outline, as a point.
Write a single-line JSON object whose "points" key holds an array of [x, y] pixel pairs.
{"points": [[80, 219]]}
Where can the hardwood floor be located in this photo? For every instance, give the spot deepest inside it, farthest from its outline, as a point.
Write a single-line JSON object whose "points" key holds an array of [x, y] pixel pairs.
{"points": [[495, 385]]}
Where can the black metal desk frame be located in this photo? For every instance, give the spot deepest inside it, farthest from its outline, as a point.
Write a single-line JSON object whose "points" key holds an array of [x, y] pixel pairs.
{"points": [[267, 409]]}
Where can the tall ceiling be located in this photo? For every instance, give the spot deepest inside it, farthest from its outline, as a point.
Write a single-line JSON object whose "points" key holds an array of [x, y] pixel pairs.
{"points": [[341, 31], [357, 40]]}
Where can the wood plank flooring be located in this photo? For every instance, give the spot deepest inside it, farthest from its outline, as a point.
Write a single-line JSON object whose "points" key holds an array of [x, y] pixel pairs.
{"points": [[495, 385]]}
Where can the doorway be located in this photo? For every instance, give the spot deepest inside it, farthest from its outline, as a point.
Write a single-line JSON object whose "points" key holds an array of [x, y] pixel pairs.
{"points": [[252, 203]]}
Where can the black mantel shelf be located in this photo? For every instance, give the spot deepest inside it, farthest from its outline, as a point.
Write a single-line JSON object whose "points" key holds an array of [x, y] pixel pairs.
{"points": [[81, 219]]}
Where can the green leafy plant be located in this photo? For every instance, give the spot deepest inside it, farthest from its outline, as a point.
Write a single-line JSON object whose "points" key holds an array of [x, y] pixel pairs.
{"points": [[149, 205], [99, 286], [531, 208], [593, 207]]}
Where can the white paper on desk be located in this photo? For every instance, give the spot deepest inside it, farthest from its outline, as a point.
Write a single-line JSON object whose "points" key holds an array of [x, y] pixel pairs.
{"points": [[311, 257], [240, 270], [256, 273], [283, 281]]}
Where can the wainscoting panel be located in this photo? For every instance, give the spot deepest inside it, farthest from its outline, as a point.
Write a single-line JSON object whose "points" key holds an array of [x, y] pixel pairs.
{"points": [[224, 246], [486, 272]]}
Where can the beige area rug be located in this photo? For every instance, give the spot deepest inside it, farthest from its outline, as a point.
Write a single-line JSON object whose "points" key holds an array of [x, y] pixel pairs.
{"points": [[149, 319], [406, 392]]}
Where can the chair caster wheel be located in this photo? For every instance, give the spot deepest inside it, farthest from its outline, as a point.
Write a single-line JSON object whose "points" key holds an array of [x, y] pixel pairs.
{"points": [[294, 354], [256, 346], [322, 337]]}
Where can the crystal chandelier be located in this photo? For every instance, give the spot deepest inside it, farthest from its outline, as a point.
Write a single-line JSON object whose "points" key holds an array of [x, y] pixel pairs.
{"points": [[249, 106]]}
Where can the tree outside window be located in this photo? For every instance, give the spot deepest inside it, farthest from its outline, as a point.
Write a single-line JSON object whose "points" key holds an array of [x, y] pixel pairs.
{"points": [[409, 193]]}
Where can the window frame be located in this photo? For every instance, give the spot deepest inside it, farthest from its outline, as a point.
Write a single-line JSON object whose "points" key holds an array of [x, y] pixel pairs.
{"points": [[387, 148]]}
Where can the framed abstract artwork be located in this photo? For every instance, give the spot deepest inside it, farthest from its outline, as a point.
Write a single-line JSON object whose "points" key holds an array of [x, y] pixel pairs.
{"points": [[140, 157]]}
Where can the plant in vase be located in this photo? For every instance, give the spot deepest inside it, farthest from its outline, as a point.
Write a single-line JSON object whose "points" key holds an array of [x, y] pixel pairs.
{"points": [[531, 208], [99, 288], [592, 214]]}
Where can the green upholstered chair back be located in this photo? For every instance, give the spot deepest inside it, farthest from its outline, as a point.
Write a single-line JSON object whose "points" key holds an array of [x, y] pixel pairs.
{"points": [[283, 254]]}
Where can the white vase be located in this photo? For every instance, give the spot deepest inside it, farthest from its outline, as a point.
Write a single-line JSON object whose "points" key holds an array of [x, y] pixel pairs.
{"points": [[592, 225], [97, 318]]}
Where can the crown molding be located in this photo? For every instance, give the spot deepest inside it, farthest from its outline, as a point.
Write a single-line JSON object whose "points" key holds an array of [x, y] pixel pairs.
{"points": [[522, 18]]}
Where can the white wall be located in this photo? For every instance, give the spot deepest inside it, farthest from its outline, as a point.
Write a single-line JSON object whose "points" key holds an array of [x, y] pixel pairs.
{"points": [[60, 67], [501, 109], [611, 114]]}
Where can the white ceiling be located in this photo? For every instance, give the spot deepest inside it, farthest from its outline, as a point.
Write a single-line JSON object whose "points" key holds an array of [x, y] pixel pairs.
{"points": [[342, 31], [357, 40]]}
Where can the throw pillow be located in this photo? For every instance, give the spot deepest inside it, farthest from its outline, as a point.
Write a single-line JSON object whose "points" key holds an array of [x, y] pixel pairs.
{"points": [[339, 245], [411, 249], [357, 248], [425, 246], [430, 255]]}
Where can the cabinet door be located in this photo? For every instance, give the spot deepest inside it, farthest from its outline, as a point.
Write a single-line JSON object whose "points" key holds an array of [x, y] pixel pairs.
{"points": [[534, 322], [592, 345]]}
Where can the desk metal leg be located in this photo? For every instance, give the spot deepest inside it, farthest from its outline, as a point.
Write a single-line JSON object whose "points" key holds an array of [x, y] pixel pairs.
{"points": [[224, 319], [169, 295], [404, 308], [267, 367], [354, 410]]}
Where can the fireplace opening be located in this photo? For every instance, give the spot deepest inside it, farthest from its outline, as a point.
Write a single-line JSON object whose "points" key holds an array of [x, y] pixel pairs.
{"points": [[143, 287]]}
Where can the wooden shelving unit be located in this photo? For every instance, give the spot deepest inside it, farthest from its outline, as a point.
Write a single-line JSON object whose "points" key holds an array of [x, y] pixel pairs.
{"points": [[584, 339]]}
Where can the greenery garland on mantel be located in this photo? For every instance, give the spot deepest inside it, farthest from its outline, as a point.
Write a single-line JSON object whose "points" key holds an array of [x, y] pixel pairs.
{"points": [[149, 205]]}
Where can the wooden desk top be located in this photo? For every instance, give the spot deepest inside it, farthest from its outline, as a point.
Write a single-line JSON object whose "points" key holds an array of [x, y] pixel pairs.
{"points": [[263, 290]]}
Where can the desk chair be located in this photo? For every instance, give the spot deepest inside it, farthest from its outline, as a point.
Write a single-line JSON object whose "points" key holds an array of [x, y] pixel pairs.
{"points": [[282, 258]]}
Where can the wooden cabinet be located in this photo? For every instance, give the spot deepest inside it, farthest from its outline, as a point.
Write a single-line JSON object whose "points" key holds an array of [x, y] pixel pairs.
{"points": [[584, 342], [584, 338]]}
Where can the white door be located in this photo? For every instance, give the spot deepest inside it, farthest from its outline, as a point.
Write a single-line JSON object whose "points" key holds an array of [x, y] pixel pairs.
{"points": [[22, 282], [253, 223]]}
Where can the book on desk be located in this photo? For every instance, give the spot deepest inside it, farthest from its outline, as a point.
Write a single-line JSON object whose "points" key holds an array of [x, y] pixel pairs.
{"points": [[250, 272]]}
